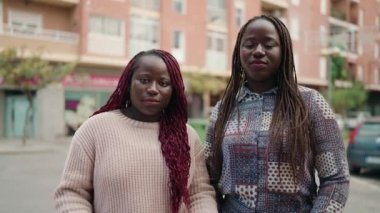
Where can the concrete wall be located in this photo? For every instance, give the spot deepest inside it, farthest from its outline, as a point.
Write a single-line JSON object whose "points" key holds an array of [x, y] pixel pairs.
{"points": [[50, 112]]}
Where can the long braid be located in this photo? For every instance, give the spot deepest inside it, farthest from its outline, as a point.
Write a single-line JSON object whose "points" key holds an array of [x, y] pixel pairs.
{"points": [[226, 106], [172, 131], [290, 109], [174, 138]]}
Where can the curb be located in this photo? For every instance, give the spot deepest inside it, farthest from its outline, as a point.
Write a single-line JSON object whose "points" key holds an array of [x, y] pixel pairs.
{"points": [[25, 149], [8, 147]]}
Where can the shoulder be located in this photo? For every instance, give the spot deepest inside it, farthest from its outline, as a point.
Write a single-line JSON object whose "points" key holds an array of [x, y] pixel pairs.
{"points": [[316, 103], [215, 111], [311, 96], [195, 142], [307, 92], [100, 121], [192, 134]]}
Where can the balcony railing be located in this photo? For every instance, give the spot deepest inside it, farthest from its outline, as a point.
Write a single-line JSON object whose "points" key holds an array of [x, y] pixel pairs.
{"points": [[64, 3], [274, 4], [217, 16], [346, 41], [43, 34]]}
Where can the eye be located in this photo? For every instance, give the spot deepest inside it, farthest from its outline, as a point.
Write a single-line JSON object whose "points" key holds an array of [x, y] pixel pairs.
{"points": [[144, 80], [269, 45], [164, 83], [249, 45]]}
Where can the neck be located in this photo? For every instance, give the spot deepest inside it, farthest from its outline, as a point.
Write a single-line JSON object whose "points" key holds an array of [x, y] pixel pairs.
{"points": [[134, 114], [260, 87]]}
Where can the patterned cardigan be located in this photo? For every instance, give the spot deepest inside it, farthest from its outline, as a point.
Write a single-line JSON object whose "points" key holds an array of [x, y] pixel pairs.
{"points": [[257, 177]]}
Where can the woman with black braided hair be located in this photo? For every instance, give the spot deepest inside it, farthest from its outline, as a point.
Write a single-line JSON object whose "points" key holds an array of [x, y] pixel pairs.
{"points": [[136, 154], [268, 136]]}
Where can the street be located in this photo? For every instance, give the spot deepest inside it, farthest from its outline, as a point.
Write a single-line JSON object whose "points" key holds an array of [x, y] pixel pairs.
{"points": [[28, 180]]}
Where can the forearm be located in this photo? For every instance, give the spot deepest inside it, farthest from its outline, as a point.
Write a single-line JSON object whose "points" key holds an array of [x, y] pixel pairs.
{"points": [[74, 193]]}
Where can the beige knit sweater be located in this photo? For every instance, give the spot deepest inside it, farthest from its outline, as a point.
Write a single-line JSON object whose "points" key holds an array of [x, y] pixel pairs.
{"points": [[115, 164]]}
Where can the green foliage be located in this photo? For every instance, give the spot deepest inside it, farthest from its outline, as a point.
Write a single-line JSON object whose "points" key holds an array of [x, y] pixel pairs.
{"points": [[30, 72], [353, 98], [201, 82], [338, 69]]}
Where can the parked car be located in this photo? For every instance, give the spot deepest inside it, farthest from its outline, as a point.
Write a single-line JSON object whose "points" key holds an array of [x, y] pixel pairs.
{"points": [[354, 118], [339, 121], [363, 149]]}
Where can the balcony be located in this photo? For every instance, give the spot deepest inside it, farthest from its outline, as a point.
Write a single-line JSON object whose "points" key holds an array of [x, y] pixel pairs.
{"points": [[274, 4], [275, 8], [344, 29], [58, 45], [217, 16], [346, 11], [62, 3]]}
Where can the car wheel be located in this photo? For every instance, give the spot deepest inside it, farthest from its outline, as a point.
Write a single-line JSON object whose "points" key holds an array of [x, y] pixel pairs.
{"points": [[354, 170]]}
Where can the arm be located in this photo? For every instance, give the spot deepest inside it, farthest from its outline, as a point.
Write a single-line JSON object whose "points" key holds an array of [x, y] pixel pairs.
{"points": [[74, 192], [330, 158], [209, 152], [202, 194]]}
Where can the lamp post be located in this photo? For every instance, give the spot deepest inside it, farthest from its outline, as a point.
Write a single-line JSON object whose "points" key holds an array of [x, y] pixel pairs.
{"points": [[328, 52]]}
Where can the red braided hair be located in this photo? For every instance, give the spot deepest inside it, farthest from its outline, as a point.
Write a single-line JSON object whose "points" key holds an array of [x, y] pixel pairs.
{"points": [[173, 131]]}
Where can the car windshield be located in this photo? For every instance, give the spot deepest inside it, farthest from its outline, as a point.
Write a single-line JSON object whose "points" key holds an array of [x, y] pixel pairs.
{"points": [[370, 129]]}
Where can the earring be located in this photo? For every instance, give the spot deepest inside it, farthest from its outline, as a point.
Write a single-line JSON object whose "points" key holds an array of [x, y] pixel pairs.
{"points": [[242, 74], [127, 104]]}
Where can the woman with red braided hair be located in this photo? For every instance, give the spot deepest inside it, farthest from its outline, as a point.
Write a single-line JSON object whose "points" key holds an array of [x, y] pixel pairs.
{"points": [[136, 153]]}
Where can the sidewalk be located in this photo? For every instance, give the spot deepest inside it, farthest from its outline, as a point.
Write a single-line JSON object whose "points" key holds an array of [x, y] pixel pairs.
{"points": [[14, 146]]}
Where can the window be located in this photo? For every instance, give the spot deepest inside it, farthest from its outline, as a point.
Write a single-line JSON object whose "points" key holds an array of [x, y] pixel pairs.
{"points": [[24, 22], [376, 50], [323, 7], [296, 2], [217, 3], [216, 42], [178, 46], [144, 34], [360, 73], [239, 13], [295, 28], [216, 12], [106, 36], [105, 26], [322, 67], [147, 4], [296, 63], [216, 54], [179, 6]]}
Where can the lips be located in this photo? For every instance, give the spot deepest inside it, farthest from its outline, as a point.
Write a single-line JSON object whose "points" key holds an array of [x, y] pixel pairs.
{"points": [[258, 65], [151, 101]]}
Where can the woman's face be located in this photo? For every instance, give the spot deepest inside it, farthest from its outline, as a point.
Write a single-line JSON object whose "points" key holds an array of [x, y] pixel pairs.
{"points": [[260, 54], [150, 89]]}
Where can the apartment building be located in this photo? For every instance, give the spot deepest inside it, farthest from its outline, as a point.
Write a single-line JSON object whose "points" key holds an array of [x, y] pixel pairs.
{"points": [[102, 35]]}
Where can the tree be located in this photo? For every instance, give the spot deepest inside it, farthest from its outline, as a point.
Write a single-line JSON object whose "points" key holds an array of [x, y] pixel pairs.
{"points": [[344, 99], [203, 82], [29, 74], [352, 98]]}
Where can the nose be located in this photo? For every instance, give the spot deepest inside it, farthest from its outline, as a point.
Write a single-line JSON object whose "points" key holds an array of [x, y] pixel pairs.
{"points": [[153, 89], [259, 51]]}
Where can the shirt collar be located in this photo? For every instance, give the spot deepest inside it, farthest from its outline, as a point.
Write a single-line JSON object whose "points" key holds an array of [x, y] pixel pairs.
{"points": [[246, 92]]}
